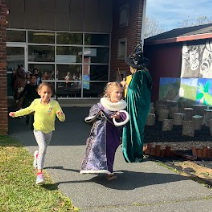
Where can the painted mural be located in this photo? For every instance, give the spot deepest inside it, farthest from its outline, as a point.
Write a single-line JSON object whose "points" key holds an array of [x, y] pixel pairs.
{"points": [[197, 60], [194, 90]]}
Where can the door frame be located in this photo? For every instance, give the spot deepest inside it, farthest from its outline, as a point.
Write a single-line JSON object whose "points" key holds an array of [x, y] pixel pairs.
{"points": [[24, 45]]}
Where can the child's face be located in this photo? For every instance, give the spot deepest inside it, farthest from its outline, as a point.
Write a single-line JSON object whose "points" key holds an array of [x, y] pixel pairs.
{"points": [[33, 80], [116, 95], [45, 94], [35, 71]]}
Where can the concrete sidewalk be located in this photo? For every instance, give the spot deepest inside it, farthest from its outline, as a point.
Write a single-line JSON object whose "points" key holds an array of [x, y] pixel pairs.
{"points": [[144, 186]]}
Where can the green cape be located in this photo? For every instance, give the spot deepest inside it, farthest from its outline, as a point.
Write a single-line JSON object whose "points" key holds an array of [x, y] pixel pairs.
{"points": [[138, 106]]}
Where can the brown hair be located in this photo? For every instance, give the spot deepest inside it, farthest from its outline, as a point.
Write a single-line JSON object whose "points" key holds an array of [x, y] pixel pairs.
{"points": [[49, 85], [110, 86]]}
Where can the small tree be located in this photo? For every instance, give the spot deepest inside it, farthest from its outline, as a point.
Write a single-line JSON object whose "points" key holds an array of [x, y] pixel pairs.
{"points": [[152, 27], [195, 22]]}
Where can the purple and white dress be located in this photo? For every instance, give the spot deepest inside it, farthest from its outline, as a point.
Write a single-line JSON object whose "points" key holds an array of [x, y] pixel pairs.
{"points": [[104, 138]]}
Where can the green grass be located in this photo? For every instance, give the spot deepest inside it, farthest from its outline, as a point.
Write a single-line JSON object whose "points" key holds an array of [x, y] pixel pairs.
{"points": [[18, 191]]}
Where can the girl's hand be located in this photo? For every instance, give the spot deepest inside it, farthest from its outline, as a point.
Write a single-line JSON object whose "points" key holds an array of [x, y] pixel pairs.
{"points": [[60, 113], [12, 114], [116, 116], [99, 113], [123, 83]]}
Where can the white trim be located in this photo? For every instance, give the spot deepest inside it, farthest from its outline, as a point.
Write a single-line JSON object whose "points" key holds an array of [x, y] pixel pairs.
{"points": [[113, 106], [20, 45], [118, 124], [95, 172], [143, 23], [90, 118]]}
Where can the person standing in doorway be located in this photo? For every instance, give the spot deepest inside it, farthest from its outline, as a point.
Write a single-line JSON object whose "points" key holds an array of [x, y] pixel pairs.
{"points": [[30, 93]]}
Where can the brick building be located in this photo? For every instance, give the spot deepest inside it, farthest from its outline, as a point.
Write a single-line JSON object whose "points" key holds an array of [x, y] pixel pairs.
{"points": [[3, 71], [85, 39]]}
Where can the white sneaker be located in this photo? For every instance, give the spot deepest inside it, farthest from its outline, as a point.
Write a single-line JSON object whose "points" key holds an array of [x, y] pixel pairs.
{"points": [[35, 165], [40, 179]]}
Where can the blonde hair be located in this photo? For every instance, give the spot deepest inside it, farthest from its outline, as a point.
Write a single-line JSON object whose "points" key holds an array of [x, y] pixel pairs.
{"points": [[110, 86], [49, 85]]}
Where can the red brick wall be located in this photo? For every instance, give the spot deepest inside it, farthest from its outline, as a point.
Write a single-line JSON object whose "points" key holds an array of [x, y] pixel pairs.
{"points": [[165, 61], [3, 71], [132, 32]]}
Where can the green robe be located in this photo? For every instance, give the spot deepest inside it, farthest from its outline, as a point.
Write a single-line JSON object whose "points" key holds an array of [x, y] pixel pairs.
{"points": [[138, 106]]}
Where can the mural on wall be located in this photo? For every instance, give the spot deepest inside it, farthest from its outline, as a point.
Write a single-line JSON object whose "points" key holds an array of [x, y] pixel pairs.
{"points": [[197, 60], [204, 91], [194, 90]]}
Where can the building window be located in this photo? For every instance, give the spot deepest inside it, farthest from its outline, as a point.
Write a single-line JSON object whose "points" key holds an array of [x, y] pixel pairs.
{"points": [[16, 36], [69, 38], [68, 54], [124, 15], [97, 39], [77, 64], [122, 48], [41, 53], [41, 37]]}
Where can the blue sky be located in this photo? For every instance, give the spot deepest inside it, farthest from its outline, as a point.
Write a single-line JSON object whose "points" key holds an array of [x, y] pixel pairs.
{"points": [[169, 13]]}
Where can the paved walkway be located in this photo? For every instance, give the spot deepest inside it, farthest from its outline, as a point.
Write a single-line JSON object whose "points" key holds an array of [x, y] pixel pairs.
{"points": [[146, 186]]}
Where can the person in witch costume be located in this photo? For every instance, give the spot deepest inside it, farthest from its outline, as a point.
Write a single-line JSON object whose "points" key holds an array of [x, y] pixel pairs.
{"points": [[138, 100], [107, 118]]}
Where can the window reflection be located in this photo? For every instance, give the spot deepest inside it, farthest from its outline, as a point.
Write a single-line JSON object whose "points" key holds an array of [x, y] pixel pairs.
{"points": [[69, 38], [95, 72], [41, 37], [16, 36], [41, 53], [95, 89], [97, 39], [58, 57], [68, 54], [99, 72], [15, 57], [47, 71], [69, 89], [69, 72], [96, 55]]}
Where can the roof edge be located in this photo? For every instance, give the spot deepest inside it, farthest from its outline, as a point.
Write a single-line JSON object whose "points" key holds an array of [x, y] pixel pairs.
{"points": [[180, 39]]}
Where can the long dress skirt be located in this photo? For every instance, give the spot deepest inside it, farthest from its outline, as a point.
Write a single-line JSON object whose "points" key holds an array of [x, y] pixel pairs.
{"points": [[101, 144]]}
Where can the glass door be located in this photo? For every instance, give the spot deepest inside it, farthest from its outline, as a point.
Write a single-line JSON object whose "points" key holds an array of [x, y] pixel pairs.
{"points": [[16, 56]]}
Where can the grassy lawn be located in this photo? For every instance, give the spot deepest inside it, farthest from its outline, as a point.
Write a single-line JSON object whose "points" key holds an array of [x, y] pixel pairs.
{"points": [[18, 191]]}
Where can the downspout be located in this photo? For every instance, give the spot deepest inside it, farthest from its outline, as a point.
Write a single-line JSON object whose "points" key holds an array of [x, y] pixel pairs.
{"points": [[143, 23]]}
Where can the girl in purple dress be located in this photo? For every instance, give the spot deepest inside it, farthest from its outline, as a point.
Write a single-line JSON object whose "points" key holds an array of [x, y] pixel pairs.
{"points": [[107, 118]]}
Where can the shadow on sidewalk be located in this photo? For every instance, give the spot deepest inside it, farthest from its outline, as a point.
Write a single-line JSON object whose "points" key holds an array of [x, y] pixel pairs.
{"points": [[126, 180]]}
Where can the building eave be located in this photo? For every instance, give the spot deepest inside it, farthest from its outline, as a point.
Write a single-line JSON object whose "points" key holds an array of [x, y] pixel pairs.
{"points": [[180, 39]]}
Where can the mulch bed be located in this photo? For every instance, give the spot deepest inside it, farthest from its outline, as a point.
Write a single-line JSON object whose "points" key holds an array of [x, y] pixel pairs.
{"points": [[198, 169], [175, 139]]}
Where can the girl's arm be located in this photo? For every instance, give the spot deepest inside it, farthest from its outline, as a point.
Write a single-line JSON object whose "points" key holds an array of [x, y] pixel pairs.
{"points": [[59, 113], [23, 112], [94, 113]]}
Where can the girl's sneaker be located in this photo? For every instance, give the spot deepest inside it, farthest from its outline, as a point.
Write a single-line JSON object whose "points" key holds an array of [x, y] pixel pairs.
{"points": [[35, 165], [40, 179], [111, 177]]}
